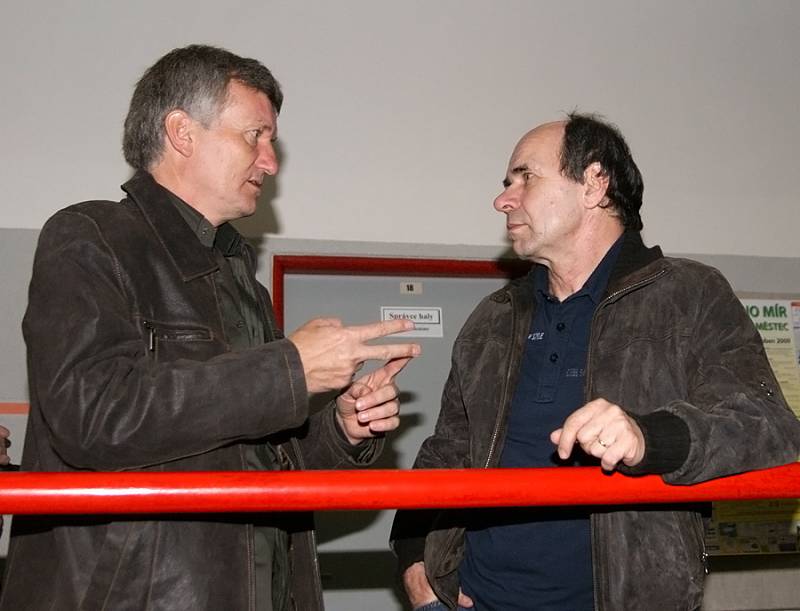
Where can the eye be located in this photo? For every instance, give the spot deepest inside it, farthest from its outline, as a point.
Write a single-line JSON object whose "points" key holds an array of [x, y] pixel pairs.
{"points": [[253, 135]]}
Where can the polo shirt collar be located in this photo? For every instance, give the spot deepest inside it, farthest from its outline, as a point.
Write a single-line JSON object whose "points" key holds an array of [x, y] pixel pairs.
{"points": [[595, 285]]}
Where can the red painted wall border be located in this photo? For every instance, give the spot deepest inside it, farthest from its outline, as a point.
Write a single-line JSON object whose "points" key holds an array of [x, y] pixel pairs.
{"points": [[14, 408]]}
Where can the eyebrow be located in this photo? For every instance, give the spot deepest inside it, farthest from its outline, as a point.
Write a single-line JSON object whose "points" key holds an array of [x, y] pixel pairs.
{"points": [[270, 127], [515, 171]]}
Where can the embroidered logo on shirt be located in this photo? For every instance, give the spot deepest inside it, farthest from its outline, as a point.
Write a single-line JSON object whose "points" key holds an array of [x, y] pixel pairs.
{"points": [[536, 337], [574, 372]]}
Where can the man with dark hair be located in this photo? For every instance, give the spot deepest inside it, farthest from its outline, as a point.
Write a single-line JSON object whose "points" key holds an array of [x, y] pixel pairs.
{"points": [[589, 140], [152, 346], [607, 352]]}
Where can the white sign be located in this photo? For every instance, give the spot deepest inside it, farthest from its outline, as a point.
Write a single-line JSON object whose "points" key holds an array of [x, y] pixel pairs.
{"points": [[427, 320]]}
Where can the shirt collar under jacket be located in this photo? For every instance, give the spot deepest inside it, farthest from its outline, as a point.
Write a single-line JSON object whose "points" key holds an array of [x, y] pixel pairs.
{"points": [[595, 285], [226, 239]]}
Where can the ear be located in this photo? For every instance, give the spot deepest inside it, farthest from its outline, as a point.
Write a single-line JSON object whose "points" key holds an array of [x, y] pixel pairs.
{"points": [[179, 128], [595, 182]]}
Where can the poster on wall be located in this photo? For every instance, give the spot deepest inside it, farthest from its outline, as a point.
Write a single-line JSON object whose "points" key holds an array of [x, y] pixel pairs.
{"points": [[766, 526]]}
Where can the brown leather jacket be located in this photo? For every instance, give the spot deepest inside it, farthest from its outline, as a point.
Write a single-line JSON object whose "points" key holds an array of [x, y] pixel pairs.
{"points": [[129, 368], [672, 345]]}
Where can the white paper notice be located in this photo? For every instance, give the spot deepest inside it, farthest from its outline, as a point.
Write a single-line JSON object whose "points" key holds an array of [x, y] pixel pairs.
{"points": [[428, 320]]}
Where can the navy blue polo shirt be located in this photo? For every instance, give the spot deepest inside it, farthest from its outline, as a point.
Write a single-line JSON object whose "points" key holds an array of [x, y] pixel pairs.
{"points": [[540, 558]]}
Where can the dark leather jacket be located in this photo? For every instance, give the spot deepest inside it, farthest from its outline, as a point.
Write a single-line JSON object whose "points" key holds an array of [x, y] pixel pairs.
{"points": [[672, 345], [129, 368]]}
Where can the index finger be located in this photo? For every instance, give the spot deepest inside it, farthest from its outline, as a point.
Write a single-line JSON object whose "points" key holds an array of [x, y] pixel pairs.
{"points": [[388, 352], [382, 328]]}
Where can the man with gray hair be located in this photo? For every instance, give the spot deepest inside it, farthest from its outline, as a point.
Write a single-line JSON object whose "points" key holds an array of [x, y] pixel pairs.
{"points": [[151, 346]]}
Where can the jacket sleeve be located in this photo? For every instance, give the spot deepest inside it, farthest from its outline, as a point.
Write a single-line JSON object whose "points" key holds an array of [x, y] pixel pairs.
{"points": [[323, 444], [447, 448], [106, 403], [735, 416]]}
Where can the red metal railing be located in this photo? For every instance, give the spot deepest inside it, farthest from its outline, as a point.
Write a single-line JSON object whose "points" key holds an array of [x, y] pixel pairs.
{"points": [[193, 492]]}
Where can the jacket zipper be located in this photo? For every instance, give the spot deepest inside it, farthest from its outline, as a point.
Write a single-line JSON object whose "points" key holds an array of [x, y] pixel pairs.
{"points": [[503, 403], [154, 334], [300, 466], [595, 535], [250, 550], [702, 543], [492, 444], [151, 341], [274, 333]]}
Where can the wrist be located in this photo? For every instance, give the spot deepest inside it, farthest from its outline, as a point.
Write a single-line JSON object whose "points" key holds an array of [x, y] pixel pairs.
{"points": [[341, 427], [417, 587]]}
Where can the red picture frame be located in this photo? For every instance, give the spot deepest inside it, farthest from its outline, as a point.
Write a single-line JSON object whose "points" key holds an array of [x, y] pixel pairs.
{"points": [[282, 265]]}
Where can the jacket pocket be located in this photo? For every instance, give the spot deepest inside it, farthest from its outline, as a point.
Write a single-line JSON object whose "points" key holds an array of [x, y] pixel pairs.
{"points": [[169, 341]]}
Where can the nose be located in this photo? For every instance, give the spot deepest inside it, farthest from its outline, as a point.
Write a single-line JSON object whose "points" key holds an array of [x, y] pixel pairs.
{"points": [[267, 160], [507, 201]]}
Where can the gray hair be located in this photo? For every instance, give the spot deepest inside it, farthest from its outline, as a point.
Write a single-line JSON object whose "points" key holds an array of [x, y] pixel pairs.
{"points": [[194, 79]]}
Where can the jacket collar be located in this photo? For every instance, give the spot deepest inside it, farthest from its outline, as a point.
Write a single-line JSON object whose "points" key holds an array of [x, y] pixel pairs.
{"points": [[187, 253], [633, 263]]}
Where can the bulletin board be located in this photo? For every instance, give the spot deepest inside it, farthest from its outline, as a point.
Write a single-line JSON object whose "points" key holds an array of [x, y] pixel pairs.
{"points": [[768, 526]]}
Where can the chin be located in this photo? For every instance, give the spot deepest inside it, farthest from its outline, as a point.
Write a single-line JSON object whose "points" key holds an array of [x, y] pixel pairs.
{"points": [[247, 210], [520, 250]]}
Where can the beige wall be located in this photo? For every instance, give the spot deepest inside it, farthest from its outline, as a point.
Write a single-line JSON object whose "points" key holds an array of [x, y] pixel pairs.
{"points": [[400, 116]]}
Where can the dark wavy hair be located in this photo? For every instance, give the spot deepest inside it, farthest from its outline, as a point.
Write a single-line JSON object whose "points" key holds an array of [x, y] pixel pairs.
{"points": [[193, 79], [589, 139]]}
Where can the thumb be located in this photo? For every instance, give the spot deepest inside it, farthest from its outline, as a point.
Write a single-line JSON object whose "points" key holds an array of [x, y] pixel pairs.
{"points": [[357, 389], [464, 600], [394, 366]]}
